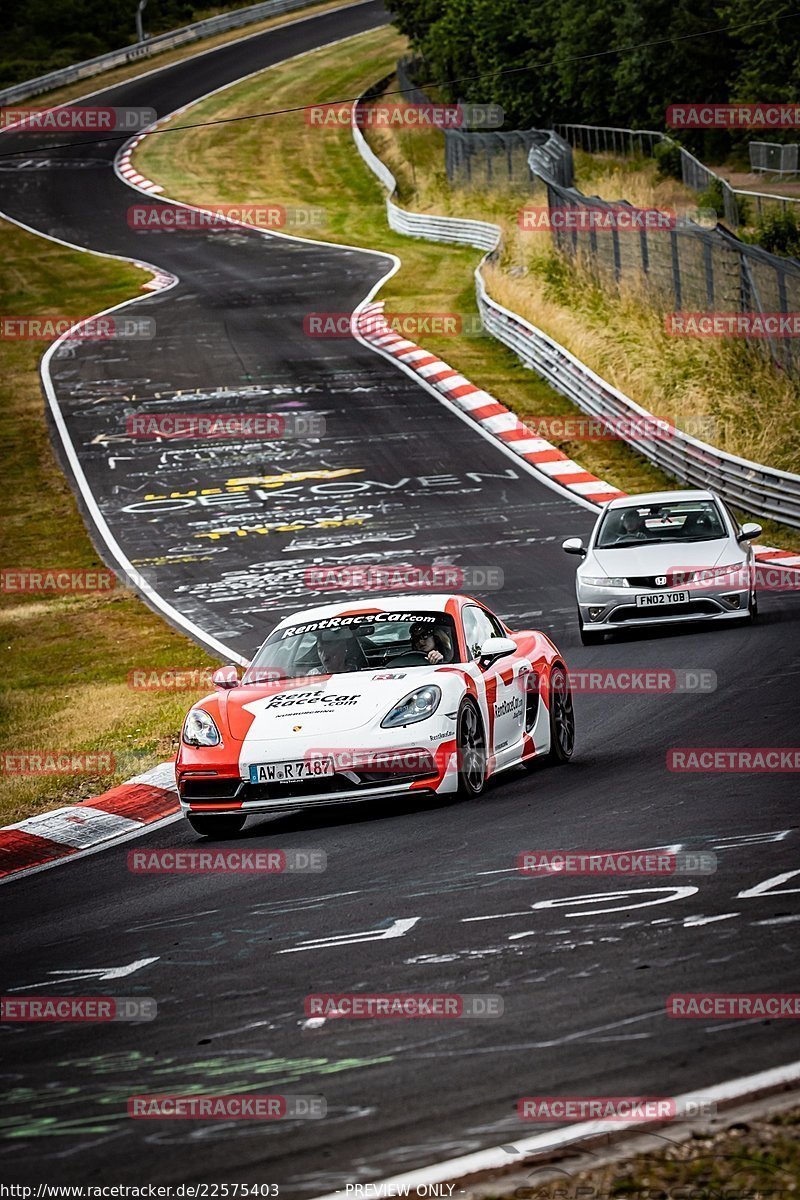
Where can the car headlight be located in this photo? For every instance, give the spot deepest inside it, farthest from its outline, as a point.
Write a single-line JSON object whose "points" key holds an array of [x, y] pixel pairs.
{"points": [[604, 580], [712, 575], [416, 706], [199, 729]]}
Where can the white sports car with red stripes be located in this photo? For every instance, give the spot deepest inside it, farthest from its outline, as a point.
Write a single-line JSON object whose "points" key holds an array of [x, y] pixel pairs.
{"points": [[425, 694]]}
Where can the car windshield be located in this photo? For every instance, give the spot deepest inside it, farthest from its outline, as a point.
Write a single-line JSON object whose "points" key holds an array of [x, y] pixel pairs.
{"points": [[362, 642], [671, 521]]}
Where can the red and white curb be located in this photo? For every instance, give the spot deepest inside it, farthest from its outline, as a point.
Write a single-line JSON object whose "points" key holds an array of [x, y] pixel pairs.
{"points": [[502, 424], [124, 811], [482, 408], [129, 172], [125, 168]]}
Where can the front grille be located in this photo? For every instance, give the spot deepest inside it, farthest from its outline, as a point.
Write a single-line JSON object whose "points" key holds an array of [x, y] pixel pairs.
{"points": [[674, 579], [659, 612], [210, 789]]}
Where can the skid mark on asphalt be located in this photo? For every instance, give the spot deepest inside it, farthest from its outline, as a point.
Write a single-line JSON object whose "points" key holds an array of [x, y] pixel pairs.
{"points": [[43, 1111]]}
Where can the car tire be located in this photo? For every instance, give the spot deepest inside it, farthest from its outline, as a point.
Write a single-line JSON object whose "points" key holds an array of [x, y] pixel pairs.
{"points": [[221, 827], [752, 611], [562, 717], [471, 751], [590, 637]]}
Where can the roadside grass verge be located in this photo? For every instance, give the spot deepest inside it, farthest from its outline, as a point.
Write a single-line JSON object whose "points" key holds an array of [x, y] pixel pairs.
{"points": [[65, 683], [284, 160], [754, 1159]]}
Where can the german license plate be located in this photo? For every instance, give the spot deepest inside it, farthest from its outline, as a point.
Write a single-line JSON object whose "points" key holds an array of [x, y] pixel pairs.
{"points": [[299, 771], [655, 599]]}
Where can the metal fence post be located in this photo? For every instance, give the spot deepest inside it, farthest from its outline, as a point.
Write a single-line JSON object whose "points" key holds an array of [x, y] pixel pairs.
{"points": [[676, 270]]}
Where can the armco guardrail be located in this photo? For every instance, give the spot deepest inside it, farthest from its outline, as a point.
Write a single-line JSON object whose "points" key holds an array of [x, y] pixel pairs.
{"points": [[482, 234], [763, 491], [140, 50], [695, 174]]}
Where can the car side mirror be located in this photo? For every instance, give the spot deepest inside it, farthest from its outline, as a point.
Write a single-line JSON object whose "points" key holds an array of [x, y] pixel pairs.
{"points": [[574, 546], [494, 648], [226, 677], [748, 532]]}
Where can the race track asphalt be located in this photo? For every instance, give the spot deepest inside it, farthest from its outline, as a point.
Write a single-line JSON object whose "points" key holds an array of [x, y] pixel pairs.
{"points": [[584, 986]]}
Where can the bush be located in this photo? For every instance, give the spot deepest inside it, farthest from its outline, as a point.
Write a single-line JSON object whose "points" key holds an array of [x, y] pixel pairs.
{"points": [[779, 232], [712, 198], [668, 158], [743, 210]]}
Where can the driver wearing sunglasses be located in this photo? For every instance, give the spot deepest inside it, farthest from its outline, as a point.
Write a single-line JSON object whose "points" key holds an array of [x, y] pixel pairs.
{"points": [[434, 642]]}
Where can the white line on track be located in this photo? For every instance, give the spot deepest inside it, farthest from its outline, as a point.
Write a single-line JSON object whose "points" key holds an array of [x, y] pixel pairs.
{"points": [[496, 1157]]}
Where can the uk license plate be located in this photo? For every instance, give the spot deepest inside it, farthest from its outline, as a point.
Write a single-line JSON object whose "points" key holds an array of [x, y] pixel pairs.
{"points": [[299, 771], [656, 599]]}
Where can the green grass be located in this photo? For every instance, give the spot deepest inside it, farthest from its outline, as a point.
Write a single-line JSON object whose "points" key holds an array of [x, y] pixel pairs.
{"points": [[68, 657]]}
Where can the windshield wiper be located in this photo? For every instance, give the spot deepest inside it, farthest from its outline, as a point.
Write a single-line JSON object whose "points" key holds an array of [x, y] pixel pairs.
{"points": [[633, 544]]}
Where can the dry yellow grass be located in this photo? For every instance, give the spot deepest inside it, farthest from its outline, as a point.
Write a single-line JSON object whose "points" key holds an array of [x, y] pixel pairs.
{"points": [[731, 392]]}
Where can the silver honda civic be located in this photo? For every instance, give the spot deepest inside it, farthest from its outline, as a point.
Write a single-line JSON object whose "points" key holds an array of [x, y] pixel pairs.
{"points": [[664, 557]]}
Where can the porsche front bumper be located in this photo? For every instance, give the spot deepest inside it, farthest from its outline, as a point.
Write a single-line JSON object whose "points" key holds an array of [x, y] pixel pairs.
{"points": [[202, 792]]}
